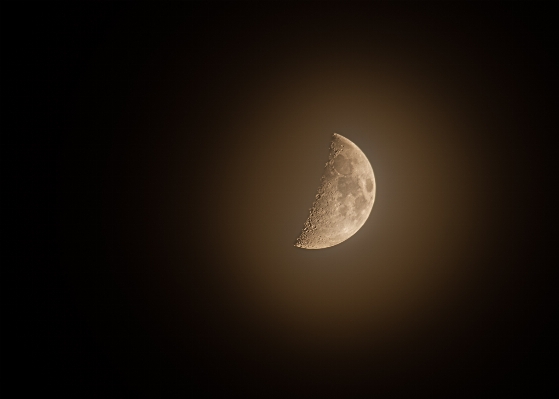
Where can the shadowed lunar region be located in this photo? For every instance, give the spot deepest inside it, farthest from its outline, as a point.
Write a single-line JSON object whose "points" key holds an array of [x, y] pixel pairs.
{"points": [[344, 197]]}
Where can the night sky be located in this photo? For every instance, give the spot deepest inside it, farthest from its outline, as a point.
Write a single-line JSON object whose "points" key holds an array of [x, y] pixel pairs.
{"points": [[159, 161]]}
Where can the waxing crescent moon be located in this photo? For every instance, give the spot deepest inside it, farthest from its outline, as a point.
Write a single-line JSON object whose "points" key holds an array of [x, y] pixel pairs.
{"points": [[344, 197]]}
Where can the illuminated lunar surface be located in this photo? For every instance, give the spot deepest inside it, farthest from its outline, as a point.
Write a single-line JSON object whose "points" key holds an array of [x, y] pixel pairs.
{"points": [[344, 197]]}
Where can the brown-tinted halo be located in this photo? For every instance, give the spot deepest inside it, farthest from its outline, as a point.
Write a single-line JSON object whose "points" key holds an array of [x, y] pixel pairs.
{"points": [[391, 279]]}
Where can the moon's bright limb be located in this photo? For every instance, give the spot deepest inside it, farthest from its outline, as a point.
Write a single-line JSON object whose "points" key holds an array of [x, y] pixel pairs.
{"points": [[344, 197]]}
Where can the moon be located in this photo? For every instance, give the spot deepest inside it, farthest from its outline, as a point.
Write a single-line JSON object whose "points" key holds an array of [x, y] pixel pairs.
{"points": [[344, 198]]}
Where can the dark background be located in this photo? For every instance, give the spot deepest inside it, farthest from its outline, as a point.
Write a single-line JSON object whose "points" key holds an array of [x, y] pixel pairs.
{"points": [[158, 163]]}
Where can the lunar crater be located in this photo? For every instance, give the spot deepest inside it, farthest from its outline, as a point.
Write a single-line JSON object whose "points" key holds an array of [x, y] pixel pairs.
{"points": [[342, 165]]}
